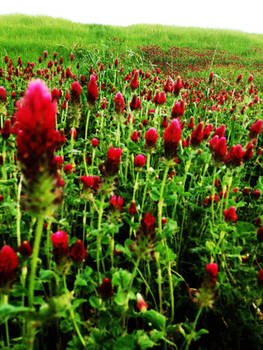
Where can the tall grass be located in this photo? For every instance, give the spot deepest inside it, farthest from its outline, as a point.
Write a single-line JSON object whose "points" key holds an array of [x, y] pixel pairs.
{"points": [[28, 36]]}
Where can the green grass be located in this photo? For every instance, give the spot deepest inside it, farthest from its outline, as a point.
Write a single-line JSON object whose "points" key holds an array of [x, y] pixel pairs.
{"points": [[28, 36]]}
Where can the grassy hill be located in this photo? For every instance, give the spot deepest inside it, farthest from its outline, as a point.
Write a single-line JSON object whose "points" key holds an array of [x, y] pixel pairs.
{"points": [[28, 36]]}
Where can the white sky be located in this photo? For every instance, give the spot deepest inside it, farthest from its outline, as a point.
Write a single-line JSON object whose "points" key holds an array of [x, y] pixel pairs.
{"points": [[245, 15]]}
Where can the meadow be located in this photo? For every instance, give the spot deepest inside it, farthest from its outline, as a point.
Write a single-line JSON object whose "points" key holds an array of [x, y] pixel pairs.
{"points": [[131, 187]]}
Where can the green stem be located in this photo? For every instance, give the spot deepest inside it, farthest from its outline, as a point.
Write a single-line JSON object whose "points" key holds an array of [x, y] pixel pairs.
{"points": [[18, 215], [213, 196], [36, 246], [85, 142], [99, 236], [193, 329], [72, 315], [84, 222], [159, 280], [136, 185], [4, 301], [146, 183]]}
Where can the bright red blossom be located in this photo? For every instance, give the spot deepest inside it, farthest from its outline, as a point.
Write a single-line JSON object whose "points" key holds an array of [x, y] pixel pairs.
{"points": [[172, 136], [78, 252], [92, 90], [8, 266]]}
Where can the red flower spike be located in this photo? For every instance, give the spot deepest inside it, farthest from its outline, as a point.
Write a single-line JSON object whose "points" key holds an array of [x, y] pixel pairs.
{"points": [[260, 278], [172, 136], [113, 161], [197, 135], [60, 245], [134, 136], [94, 142], [132, 209], [116, 203], [119, 103], [151, 137], [212, 269], [67, 168], [78, 252], [25, 249], [92, 91], [2, 94], [8, 267], [260, 234], [148, 224], [230, 214], [105, 289], [75, 92], [139, 161], [255, 129], [178, 109], [141, 304]]}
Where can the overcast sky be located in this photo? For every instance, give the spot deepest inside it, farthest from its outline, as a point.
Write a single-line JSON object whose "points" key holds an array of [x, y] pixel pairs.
{"points": [[245, 15]]}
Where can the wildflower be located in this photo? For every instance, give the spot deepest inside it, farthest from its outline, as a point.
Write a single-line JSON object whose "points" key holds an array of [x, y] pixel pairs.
{"points": [[141, 304], [211, 77], [256, 194], [219, 148], [132, 209], [90, 182], [178, 109], [135, 103], [260, 234], [248, 154], [148, 224], [8, 267], [119, 103], [60, 245], [67, 168], [134, 136], [92, 93], [234, 156], [2, 94], [255, 129], [197, 135], [78, 252], [177, 86], [172, 136], [6, 129], [104, 103], [113, 161], [134, 82], [37, 140], [260, 277], [230, 214], [94, 142], [220, 131], [116, 203], [25, 249], [105, 289], [75, 92], [139, 161], [151, 137]]}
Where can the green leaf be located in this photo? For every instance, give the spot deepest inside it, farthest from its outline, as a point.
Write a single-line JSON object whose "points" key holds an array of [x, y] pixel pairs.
{"points": [[120, 298], [121, 278], [124, 343], [46, 275], [157, 320], [8, 311], [95, 302], [144, 341]]}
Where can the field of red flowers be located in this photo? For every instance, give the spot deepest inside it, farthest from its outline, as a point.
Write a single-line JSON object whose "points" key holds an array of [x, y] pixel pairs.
{"points": [[131, 202]]}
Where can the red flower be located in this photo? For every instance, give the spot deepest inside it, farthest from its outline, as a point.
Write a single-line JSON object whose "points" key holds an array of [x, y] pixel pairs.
{"points": [[219, 148], [104, 103], [230, 214], [78, 252], [134, 82], [135, 103], [139, 161], [25, 249], [105, 289], [234, 156], [141, 304], [148, 224], [211, 77], [132, 209], [94, 142], [92, 94], [8, 266], [207, 131], [134, 136], [2, 94], [191, 123], [255, 129], [75, 92], [260, 277], [60, 245], [90, 182], [212, 269], [113, 161], [256, 194], [239, 78], [151, 137], [260, 234], [220, 131], [172, 136], [248, 154], [116, 203], [68, 168], [178, 109], [119, 103], [197, 135], [177, 86], [6, 129]]}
